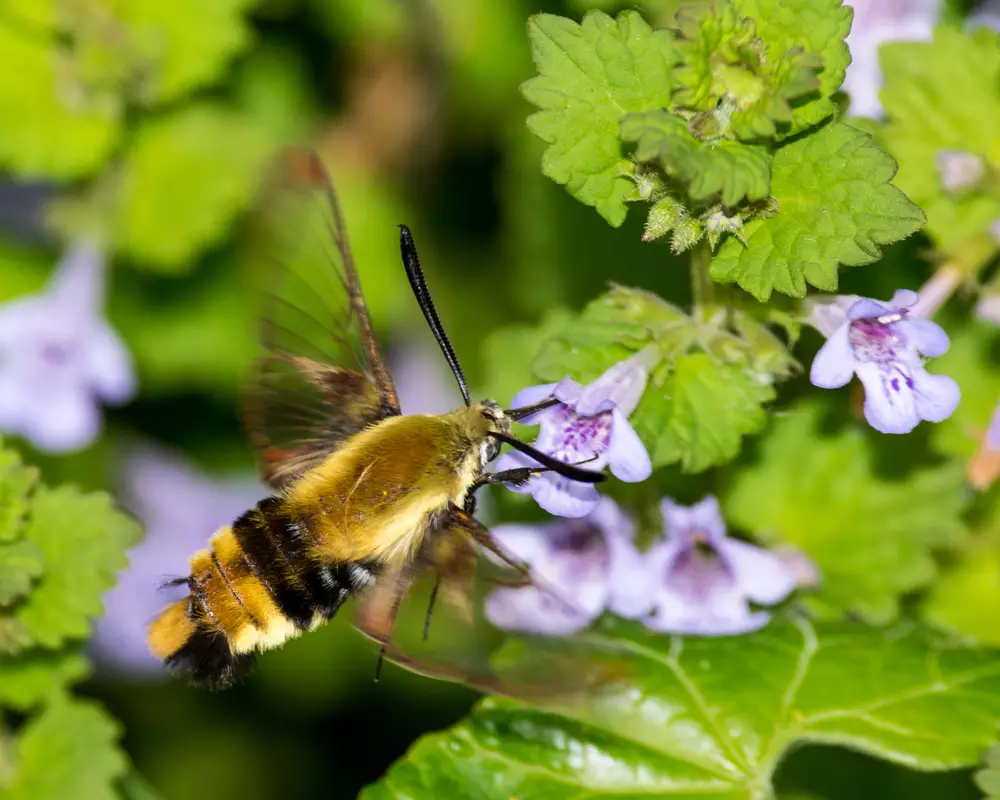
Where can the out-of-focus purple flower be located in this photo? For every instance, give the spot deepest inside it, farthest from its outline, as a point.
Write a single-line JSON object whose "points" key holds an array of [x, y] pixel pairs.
{"points": [[883, 344], [583, 566], [875, 23], [986, 15], [588, 424], [180, 508], [59, 358], [706, 581], [959, 171]]}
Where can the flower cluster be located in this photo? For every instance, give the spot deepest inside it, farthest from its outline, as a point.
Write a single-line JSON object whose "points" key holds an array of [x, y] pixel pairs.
{"points": [[695, 580]]}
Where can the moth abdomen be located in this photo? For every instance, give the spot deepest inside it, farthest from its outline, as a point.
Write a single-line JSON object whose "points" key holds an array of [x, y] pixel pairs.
{"points": [[255, 587]]}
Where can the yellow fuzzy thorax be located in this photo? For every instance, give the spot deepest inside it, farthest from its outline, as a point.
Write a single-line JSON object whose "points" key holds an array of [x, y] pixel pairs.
{"points": [[372, 498]]}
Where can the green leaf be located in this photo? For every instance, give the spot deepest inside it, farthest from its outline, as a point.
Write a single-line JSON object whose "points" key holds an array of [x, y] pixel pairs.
{"points": [[83, 540], [16, 483], [183, 44], [817, 26], [836, 206], [973, 362], [53, 125], [590, 75], [28, 679], [610, 329], [196, 168], [988, 778], [869, 535], [714, 717], [699, 413], [68, 752], [953, 81], [701, 400], [966, 599], [725, 168], [20, 564]]}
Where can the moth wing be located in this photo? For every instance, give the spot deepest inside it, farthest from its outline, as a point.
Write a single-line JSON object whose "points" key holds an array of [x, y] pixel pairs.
{"points": [[461, 645], [321, 377]]}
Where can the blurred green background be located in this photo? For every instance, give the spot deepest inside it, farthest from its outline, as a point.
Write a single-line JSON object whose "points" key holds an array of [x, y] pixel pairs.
{"points": [[415, 108]]}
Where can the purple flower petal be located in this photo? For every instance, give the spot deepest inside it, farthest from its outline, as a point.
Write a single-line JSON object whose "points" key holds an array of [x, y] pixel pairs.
{"points": [[866, 308], [627, 455], [562, 496], [835, 362], [904, 298], [523, 543], [67, 419], [58, 357], [109, 367], [890, 406], [568, 391], [928, 337], [620, 386], [530, 396], [937, 396], [632, 582], [532, 610], [684, 523], [763, 576], [993, 432]]}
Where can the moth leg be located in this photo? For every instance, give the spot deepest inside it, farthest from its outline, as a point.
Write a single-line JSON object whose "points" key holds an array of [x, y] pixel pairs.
{"points": [[517, 476], [480, 534], [430, 605]]}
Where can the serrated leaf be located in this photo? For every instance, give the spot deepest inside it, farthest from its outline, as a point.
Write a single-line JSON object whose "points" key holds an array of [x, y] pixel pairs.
{"points": [[67, 752], [726, 168], [870, 536], [196, 168], [699, 412], [28, 679], [20, 564], [83, 540], [590, 75], [16, 483], [818, 27], [952, 80], [53, 125], [713, 717], [835, 206]]}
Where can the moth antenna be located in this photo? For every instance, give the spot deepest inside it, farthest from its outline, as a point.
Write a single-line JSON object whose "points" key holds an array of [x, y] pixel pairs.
{"points": [[564, 469], [411, 262]]}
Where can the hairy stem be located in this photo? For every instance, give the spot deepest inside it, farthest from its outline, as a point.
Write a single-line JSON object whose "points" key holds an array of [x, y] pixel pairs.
{"points": [[702, 285]]}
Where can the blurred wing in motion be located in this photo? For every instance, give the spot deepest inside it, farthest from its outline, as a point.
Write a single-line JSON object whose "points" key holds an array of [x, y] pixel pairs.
{"points": [[430, 622], [321, 378]]}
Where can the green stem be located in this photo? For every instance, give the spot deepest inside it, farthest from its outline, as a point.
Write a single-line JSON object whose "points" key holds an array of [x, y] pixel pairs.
{"points": [[702, 285]]}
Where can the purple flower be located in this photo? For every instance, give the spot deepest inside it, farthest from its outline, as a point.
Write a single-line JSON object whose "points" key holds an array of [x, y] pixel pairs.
{"points": [[588, 424], [59, 358], [705, 581], [180, 508], [583, 566], [875, 23], [883, 344]]}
